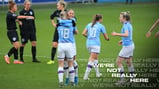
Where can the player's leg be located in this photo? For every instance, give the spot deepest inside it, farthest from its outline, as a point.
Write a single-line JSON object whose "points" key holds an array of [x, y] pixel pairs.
{"points": [[69, 56], [130, 51], [130, 66], [98, 74], [60, 71], [75, 64], [76, 69], [21, 52], [54, 47], [71, 71], [89, 65], [16, 61], [61, 56], [13, 37], [120, 67], [33, 48], [66, 71], [24, 40]]}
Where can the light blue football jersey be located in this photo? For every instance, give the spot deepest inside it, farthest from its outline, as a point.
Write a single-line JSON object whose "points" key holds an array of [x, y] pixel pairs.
{"points": [[126, 41], [93, 34], [65, 31]]}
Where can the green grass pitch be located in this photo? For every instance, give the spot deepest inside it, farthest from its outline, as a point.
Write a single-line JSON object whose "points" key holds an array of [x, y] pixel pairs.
{"points": [[42, 76]]}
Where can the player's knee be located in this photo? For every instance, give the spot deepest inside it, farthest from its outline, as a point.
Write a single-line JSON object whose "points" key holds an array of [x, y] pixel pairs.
{"points": [[33, 43], [55, 44], [22, 45], [16, 45]]}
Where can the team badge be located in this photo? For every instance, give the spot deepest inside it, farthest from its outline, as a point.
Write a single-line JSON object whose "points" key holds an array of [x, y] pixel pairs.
{"points": [[14, 38], [23, 39], [14, 15], [31, 13]]}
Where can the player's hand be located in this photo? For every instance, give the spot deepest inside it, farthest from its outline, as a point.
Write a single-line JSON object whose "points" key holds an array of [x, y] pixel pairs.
{"points": [[114, 33], [120, 42], [20, 23], [30, 17], [157, 34], [148, 34], [54, 25]]}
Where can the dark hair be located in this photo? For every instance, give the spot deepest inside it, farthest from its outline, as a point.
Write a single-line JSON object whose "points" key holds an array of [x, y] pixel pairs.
{"points": [[126, 15], [96, 18], [11, 4]]}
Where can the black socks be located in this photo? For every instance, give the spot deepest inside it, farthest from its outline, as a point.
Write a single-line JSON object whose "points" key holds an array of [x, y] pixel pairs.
{"points": [[53, 52]]}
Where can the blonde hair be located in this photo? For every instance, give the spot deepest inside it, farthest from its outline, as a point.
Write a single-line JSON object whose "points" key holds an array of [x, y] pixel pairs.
{"points": [[126, 15], [63, 3], [26, 1], [63, 15]]}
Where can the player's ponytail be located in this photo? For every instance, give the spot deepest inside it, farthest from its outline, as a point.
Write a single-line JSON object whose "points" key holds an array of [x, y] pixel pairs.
{"points": [[96, 18], [126, 15], [11, 4]]}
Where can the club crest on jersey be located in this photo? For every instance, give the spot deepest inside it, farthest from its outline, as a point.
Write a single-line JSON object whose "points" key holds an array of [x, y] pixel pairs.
{"points": [[31, 13], [14, 15], [14, 38], [23, 40]]}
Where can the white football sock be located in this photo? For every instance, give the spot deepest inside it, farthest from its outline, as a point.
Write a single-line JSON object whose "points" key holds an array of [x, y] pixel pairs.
{"points": [[72, 74], [121, 72], [88, 69], [96, 68], [75, 68], [66, 69], [60, 74]]}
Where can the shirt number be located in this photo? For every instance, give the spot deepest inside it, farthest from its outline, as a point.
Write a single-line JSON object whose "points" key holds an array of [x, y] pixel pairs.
{"points": [[65, 33], [93, 32]]}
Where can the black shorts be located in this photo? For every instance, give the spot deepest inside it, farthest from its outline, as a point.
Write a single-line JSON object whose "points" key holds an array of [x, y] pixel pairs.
{"points": [[28, 36], [13, 36], [55, 36]]}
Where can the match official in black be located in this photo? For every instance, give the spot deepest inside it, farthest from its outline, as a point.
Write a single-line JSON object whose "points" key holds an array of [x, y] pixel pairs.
{"points": [[61, 5], [28, 31], [11, 19]]}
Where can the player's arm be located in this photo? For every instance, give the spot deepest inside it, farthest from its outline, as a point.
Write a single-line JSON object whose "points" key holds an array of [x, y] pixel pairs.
{"points": [[84, 33], [120, 42], [148, 34], [52, 16], [34, 21], [53, 22], [106, 36], [75, 32], [25, 17], [19, 22], [125, 34]]}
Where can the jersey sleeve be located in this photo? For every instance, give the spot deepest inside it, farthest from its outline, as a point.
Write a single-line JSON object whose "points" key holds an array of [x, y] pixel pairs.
{"points": [[53, 15], [34, 20], [87, 27], [12, 16], [103, 29]]}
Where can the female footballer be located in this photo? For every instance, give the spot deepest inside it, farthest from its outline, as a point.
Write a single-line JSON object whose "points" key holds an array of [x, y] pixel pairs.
{"points": [[61, 5], [71, 16], [28, 31], [11, 20], [65, 47], [92, 33], [126, 53]]}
